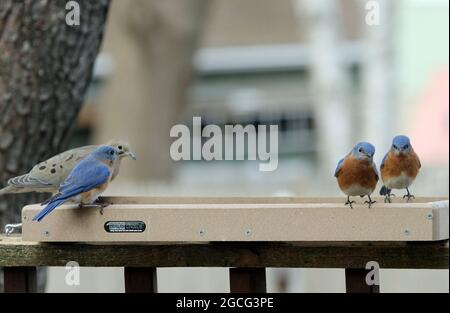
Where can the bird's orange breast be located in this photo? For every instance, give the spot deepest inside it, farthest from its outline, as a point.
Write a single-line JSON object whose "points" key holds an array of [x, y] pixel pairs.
{"points": [[354, 171], [91, 195], [396, 164]]}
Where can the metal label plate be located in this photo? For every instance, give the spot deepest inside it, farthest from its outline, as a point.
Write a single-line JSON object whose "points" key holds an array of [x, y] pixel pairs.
{"points": [[125, 226]]}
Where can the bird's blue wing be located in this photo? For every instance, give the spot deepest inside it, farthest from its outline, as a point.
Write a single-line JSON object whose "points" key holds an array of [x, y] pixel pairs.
{"points": [[384, 159], [84, 177], [87, 175], [338, 167]]}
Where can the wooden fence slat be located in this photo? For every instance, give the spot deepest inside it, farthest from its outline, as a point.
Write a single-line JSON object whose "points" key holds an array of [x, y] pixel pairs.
{"points": [[19, 279], [140, 280], [247, 280], [430, 255], [355, 281]]}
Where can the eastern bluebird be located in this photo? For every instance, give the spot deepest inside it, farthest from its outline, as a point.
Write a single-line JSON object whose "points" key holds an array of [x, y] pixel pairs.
{"points": [[47, 176], [357, 174], [88, 179], [399, 168]]}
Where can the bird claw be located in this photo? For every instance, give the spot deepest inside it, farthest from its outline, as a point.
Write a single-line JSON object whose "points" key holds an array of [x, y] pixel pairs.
{"points": [[349, 203], [102, 205], [370, 202], [387, 198], [408, 196], [97, 204]]}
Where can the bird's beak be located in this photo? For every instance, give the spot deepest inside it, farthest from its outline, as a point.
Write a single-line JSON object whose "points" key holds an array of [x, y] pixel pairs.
{"points": [[131, 155]]}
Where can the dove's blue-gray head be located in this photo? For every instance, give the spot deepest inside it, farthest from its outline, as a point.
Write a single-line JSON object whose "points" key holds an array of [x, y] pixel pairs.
{"points": [[106, 153], [401, 144], [363, 150]]}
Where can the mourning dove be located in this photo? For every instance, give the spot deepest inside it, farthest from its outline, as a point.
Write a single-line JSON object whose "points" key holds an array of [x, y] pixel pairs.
{"points": [[47, 176]]}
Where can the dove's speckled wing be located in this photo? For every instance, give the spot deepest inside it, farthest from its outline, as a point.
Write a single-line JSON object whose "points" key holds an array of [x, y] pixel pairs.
{"points": [[48, 175]]}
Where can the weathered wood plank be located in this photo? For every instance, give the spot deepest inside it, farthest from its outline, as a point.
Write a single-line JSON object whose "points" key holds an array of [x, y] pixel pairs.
{"points": [[19, 279], [15, 252], [140, 280], [247, 280], [355, 281]]}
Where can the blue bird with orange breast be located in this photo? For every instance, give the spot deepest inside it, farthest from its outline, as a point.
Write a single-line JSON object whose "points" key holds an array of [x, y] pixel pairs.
{"points": [[357, 174], [88, 179], [399, 168]]}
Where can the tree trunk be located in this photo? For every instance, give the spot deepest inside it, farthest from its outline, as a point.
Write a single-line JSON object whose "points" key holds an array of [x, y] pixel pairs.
{"points": [[45, 68], [152, 43]]}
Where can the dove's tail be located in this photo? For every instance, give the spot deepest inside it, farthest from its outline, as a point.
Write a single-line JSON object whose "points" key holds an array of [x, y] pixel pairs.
{"points": [[384, 191], [8, 189]]}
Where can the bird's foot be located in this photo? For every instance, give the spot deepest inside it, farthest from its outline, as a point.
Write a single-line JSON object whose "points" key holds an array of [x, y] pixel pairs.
{"points": [[100, 200], [349, 203], [387, 198], [408, 197], [102, 205], [370, 202]]}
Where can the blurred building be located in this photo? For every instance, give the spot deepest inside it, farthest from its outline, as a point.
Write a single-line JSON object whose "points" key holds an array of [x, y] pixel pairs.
{"points": [[253, 66]]}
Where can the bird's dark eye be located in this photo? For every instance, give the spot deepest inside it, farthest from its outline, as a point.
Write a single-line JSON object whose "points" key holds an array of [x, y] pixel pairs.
{"points": [[406, 146], [360, 150], [119, 147], [111, 152], [394, 146]]}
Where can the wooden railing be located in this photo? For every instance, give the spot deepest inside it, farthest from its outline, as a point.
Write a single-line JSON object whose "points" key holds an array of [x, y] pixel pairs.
{"points": [[247, 260], [246, 234]]}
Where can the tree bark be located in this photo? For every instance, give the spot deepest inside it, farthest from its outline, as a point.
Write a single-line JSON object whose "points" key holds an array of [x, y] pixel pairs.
{"points": [[45, 68]]}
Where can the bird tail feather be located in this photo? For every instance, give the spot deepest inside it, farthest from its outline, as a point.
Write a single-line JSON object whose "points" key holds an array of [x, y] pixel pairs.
{"points": [[7, 189], [4, 190], [52, 198], [49, 208], [385, 191]]}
